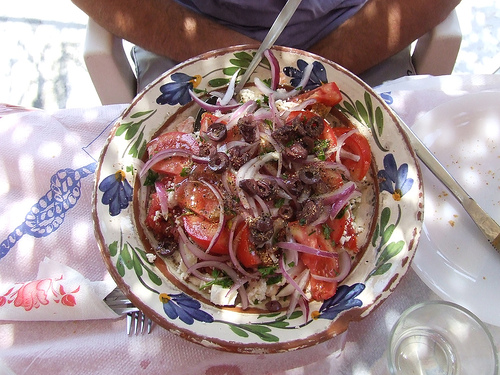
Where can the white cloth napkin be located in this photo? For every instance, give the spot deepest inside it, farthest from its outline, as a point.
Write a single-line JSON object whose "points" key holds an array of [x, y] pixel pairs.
{"points": [[58, 293]]}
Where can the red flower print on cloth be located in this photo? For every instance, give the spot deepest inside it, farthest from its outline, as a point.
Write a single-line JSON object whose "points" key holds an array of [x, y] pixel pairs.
{"points": [[34, 294]]}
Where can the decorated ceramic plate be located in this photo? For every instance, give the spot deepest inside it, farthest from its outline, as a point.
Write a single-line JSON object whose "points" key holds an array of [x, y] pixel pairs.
{"points": [[152, 280], [454, 259]]}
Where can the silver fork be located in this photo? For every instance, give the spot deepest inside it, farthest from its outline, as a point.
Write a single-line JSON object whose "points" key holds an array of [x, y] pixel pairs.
{"points": [[137, 322]]}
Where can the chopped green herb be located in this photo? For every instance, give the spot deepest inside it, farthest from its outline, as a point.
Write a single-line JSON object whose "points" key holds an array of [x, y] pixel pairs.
{"points": [[327, 231], [320, 147], [266, 271], [279, 202], [274, 279], [185, 171], [220, 278], [151, 178]]}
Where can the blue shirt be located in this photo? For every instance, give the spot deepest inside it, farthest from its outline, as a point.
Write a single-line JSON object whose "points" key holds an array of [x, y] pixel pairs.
{"points": [[312, 21]]}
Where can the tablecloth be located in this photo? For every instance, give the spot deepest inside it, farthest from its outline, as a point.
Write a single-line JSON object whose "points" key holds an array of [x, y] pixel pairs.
{"points": [[41, 149]]}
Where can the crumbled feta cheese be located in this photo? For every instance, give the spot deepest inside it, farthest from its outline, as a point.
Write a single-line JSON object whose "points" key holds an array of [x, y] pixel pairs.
{"points": [[151, 257], [248, 94], [222, 296], [282, 105], [256, 290]]}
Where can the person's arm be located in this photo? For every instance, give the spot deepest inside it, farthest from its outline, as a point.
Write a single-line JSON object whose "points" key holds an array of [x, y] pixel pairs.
{"points": [[380, 29], [161, 26]]}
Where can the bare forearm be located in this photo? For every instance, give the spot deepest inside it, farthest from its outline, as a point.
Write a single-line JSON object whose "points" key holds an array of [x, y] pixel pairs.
{"points": [[380, 29], [161, 26]]}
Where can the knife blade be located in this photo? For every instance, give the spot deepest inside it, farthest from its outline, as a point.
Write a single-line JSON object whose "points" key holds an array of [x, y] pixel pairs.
{"points": [[488, 226], [274, 32]]}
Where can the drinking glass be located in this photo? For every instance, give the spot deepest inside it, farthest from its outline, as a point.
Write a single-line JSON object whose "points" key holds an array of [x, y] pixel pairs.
{"points": [[441, 338]]}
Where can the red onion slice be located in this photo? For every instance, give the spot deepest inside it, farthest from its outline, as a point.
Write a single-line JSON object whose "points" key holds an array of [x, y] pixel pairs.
{"points": [[230, 89], [275, 69], [163, 198], [168, 153], [306, 249], [290, 279], [221, 214], [196, 251], [212, 107], [344, 269]]}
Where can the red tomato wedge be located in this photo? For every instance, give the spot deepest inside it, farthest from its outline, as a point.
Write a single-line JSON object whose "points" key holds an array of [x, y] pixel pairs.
{"points": [[197, 197], [326, 267], [157, 224], [321, 266], [245, 251], [327, 94], [201, 231], [358, 145], [174, 140]]}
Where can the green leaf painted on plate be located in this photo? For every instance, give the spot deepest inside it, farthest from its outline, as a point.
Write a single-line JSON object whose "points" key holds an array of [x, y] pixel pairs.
{"points": [[379, 121], [218, 82], [153, 276], [369, 107], [120, 267], [390, 251], [137, 264], [387, 234], [363, 114], [140, 114], [113, 248], [381, 269], [238, 331], [240, 63], [384, 218], [127, 258], [132, 130], [122, 128]]}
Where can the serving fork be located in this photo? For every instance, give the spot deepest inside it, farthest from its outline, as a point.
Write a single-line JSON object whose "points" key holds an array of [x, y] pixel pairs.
{"points": [[137, 322]]}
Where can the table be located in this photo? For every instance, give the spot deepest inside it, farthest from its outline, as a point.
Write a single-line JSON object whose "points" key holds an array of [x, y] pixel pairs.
{"points": [[30, 157]]}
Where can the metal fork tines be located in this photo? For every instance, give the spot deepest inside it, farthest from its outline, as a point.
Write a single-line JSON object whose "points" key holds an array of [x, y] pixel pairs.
{"points": [[137, 323]]}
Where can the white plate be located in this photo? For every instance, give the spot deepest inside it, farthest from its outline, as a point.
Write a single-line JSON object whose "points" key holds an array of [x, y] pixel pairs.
{"points": [[453, 257]]}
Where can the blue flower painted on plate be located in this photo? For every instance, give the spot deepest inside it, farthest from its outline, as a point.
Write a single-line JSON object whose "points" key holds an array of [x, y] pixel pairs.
{"points": [[393, 179], [317, 78], [185, 308], [344, 299], [117, 192], [48, 214], [177, 92]]}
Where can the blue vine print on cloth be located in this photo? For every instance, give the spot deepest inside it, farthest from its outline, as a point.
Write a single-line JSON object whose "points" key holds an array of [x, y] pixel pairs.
{"points": [[185, 308], [387, 97], [117, 192], [344, 299], [48, 214], [318, 75], [394, 180], [177, 92]]}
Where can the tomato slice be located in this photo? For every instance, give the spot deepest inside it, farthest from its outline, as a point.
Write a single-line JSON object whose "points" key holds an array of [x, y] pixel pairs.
{"points": [[172, 166], [197, 197], [358, 145], [201, 231], [327, 94], [245, 250], [321, 266], [155, 222]]}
